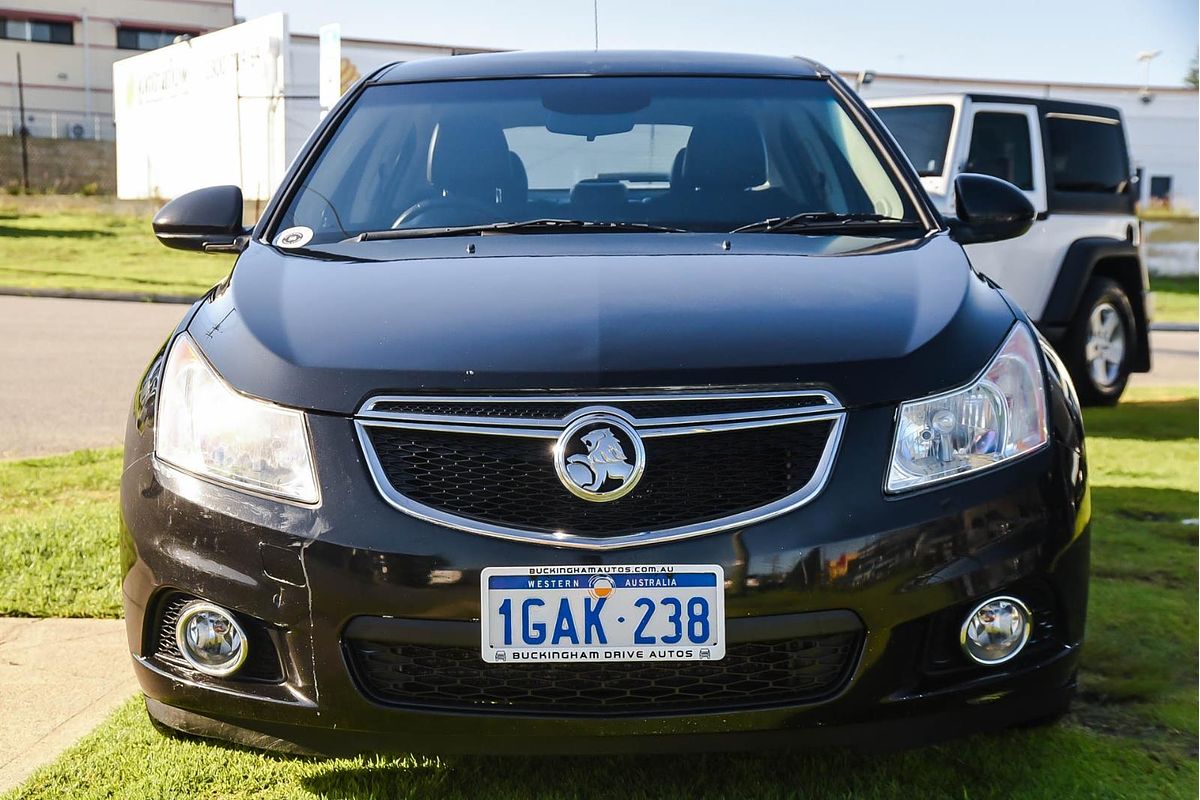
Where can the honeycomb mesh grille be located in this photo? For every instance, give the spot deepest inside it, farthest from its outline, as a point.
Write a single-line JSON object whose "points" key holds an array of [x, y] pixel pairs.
{"points": [[510, 481], [262, 660], [551, 410], [753, 674]]}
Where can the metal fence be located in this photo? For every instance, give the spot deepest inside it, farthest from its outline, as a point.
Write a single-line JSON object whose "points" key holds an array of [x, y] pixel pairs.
{"points": [[52, 124], [57, 165]]}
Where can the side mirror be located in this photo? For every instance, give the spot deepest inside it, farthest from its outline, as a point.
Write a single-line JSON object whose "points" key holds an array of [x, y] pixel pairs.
{"points": [[209, 220], [988, 209]]}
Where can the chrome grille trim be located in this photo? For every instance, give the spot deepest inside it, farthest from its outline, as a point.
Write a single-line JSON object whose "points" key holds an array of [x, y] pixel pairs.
{"points": [[828, 411], [370, 409]]}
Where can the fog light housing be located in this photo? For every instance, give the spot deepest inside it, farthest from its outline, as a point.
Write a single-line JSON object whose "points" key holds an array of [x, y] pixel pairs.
{"points": [[210, 639], [996, 630]]}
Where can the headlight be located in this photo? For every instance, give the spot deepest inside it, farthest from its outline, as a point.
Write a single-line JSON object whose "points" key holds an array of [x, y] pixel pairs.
{"points": [[1000, 416], [207, 428]]}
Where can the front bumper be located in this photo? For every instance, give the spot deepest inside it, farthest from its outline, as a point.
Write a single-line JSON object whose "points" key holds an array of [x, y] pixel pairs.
{"points": [[906, 569]]}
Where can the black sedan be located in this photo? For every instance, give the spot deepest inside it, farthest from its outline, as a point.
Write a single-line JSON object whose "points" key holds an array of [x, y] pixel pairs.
{"points": [[602, 402]]}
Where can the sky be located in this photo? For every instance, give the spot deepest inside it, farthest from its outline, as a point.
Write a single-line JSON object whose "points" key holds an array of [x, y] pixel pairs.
{"points": [[1091, 41]]}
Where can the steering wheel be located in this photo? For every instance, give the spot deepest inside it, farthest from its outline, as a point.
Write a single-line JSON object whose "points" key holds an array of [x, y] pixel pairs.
{"points": [[430, 205]]}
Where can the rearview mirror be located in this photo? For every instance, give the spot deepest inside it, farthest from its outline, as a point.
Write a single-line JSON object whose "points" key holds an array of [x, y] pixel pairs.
{"points": [[208, 220], [988, 210]]}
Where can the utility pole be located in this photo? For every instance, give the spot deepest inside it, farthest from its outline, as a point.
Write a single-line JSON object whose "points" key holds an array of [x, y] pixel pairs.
{"points": [[23, 131]]}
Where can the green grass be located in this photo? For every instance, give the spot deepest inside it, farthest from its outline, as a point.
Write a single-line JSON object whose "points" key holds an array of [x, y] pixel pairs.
{"points": [[1176, 299], [74, 248], [1132, 733], [58, 535]]}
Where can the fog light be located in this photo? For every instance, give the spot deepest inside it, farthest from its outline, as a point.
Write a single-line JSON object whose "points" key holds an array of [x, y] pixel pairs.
{"points": [[210, 639], [996, 630]]}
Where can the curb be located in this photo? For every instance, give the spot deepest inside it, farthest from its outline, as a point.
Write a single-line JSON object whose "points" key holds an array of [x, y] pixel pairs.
{"points": [[99, 294], [1178, 327]]}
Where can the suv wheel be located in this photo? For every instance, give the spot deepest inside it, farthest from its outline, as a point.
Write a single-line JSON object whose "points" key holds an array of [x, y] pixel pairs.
{"points": [[1099, 343]]}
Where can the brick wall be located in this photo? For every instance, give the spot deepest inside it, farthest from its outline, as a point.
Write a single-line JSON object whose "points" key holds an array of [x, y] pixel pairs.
{"points": [[60, 165]]}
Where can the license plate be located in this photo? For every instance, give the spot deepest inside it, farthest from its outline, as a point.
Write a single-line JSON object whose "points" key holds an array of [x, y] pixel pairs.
{"points": [[638, 612]]}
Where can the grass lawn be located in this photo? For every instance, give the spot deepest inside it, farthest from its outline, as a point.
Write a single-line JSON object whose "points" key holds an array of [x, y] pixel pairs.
{"points": [[1132, 733], [1176, 299], [74, 248], [58, 535]]}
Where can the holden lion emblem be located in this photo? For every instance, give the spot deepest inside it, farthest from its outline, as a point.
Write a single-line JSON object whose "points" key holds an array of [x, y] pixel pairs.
{"points": [[599, 457]]}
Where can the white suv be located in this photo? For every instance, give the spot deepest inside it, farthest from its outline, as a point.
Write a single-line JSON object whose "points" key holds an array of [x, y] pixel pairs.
{"points": [[1078, 271]]}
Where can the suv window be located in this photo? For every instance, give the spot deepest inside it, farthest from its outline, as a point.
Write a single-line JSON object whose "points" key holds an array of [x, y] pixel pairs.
{"points": [[698, 154], [1087, 154], [1000, 148], [923, 132]]}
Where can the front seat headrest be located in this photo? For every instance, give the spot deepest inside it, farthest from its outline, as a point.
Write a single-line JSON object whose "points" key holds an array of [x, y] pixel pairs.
{"points": [[725, 153], [469, 157]]}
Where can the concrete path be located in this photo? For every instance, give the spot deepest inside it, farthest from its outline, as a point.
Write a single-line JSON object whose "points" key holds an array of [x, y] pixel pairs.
{"points": [[68, 370], [1174, 359], [58, 679]]}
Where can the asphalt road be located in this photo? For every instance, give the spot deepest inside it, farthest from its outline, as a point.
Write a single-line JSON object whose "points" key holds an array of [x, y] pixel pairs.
{"points": [[68, 368]]}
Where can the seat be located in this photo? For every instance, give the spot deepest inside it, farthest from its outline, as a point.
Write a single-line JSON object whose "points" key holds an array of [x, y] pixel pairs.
{"points": [[719, 171], [469, 169], [469, 158], [602, 200]]}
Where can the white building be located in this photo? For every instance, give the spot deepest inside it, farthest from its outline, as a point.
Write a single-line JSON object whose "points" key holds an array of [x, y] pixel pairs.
{"points": [[1163, 124], [67, 50], [233, 106]]}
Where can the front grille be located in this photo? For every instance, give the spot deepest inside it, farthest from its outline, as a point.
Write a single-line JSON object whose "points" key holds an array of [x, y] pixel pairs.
{"points": [[752, 674], [262, 659], [556, 410], [688, 479]]}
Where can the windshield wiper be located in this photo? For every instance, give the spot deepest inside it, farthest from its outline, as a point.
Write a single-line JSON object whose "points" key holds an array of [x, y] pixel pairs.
{"points": [[822, 220], [522, 226]]}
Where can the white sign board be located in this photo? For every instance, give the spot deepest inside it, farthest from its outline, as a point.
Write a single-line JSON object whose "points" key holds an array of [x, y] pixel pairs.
{"points": [[330, 78], [203, 112]]}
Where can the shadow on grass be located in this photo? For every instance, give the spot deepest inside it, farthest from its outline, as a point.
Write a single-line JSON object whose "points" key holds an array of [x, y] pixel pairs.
{"points": [[54, 233], [1055, 762], [1154, 421], [759, 775]]}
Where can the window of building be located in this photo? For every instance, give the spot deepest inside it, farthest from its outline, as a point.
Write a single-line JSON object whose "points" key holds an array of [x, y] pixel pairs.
{"points": [[1000, 148], [144, 38], [1087, 154], [35, 30]]}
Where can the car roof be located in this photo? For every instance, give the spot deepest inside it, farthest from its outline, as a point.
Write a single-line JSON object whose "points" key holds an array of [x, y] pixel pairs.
{"points": [[530, 64], [1045, 105]]}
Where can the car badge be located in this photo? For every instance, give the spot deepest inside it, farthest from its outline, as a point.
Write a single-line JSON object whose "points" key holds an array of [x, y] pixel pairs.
{"points": [[599, 457]]}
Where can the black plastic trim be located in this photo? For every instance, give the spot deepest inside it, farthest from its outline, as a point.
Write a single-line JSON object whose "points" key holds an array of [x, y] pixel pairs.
{"points": [[467, 634]]}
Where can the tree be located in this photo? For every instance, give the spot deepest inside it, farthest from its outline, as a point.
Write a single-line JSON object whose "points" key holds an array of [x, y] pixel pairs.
{"points": [[1192, 79]]}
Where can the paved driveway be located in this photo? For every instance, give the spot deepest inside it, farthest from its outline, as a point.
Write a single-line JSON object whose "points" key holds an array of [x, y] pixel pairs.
{"points": [[68, 368], [1174, 358]]}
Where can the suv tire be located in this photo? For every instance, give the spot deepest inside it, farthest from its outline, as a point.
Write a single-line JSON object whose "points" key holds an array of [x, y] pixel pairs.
{"points": [[1099, 343]]}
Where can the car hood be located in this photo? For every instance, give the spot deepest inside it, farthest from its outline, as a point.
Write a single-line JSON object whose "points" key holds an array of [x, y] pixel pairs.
{"points": [[873, 320]]}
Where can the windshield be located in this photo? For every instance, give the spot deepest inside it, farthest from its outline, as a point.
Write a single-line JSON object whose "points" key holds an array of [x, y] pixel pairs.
{"points": [[923, 132], [680, 153]]}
